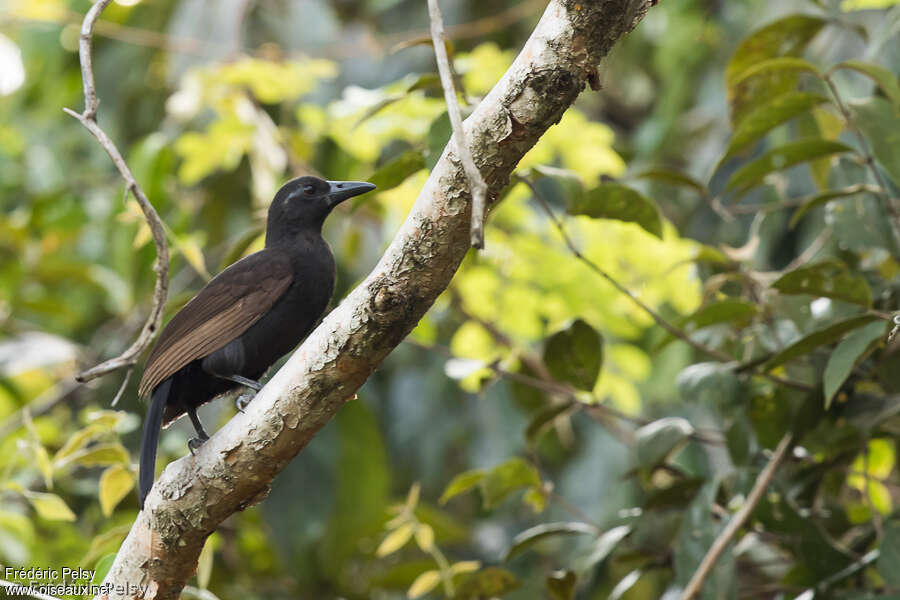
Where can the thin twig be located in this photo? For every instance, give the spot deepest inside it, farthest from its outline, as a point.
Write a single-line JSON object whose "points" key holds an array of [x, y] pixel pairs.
{"points": [[477, 186], [890, 203], [122, 387], [88, 118], [724, 538]]}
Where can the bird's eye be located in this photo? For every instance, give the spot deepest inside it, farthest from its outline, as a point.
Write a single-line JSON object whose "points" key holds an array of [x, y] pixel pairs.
{"points": [[308, 190]]}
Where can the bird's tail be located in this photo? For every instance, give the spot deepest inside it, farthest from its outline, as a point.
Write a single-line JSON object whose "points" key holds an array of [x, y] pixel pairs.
{"points": [[150, 438]]}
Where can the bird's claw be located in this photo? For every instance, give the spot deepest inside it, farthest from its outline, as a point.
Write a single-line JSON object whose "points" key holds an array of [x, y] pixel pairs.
{"points": [[195, 443], [243, 401]]}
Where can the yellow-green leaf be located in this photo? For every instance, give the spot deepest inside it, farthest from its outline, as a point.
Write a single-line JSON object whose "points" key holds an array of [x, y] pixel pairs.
{"points": [[50, 506], [395, 540], [425, 537], [98, 455], [115, 483], [424, 583]]}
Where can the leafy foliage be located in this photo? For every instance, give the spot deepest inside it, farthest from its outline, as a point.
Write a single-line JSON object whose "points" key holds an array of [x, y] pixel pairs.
{"points": [[737, 174]]}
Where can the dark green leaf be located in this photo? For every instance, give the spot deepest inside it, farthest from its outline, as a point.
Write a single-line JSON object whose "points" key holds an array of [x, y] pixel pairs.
{"points": [[879, 121], [678, 494], [827, 279], [619, 202], [773, 66], [438, 135], [544, 419], [395, 172], [461, 484], [604, 545], [530, 537], [730, 310], [766, 117], [672, 177], [625, 584], [504, 479], [659, 439], [818, 338], [823, 198], [490, 582], [788, 155], [102, 568], [710, 383], [561, 585], [788, 36], [888, 565], [885, 78], [847, 355], [575, 355]]}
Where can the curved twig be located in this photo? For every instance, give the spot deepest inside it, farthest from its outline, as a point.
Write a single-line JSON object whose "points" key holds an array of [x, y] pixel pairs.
{"points": [[477, 186], [724, 538], [88, 118]]}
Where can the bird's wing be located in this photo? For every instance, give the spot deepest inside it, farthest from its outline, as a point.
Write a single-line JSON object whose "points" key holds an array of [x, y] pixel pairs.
{"points": [[229, 304]]}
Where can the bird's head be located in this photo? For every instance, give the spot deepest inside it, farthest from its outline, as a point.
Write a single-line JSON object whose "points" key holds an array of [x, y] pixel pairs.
{"points": [[303, 203]]}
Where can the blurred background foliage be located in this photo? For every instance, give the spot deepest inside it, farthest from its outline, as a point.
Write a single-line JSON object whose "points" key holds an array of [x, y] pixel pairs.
{"points": [[539, 435]]}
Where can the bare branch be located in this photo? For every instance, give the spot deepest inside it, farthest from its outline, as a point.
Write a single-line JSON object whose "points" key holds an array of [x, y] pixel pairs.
{"points": [[477, 186], [88, 118], [724, 538]]}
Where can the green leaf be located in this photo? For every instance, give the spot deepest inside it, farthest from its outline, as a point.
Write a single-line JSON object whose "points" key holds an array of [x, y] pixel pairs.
{"points": [[395, 540], [102, 567], [490, 582], [827, 279], [206, 561], [884, 78], [847, 355], [561, 585], [438, 136], [504, 479], [604, 545], [395, 171], [879, 121], [543, 419], [656, 441], [823, 336], [98, 455], [788, 36], [575, 355], [533, 535], [461, 484], [115, 483], [773, 65], [730, 310], [823, 198], [625, 584], [672, 177], [888, 565], [424, 583], [619, 202], [50, 506], [776, 159], [766, 117]]}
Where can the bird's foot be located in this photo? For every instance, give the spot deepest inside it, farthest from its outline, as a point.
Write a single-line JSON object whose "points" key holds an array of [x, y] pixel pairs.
{"points": [[195, 443], [243, 401]]}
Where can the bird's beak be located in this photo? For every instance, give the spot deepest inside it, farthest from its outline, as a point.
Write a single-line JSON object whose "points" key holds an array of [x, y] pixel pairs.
{"points": [[341, 190]]}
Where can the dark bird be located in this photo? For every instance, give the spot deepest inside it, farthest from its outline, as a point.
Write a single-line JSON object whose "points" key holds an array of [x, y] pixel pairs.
{"points": [[247, 317]]}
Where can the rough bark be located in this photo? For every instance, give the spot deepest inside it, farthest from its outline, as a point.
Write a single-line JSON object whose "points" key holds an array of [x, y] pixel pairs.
{"points": [[234, 468]]}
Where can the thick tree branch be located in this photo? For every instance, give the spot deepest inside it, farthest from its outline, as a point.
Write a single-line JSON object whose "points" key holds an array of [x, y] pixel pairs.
{"points": [[235, 467], [88, 118]]}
